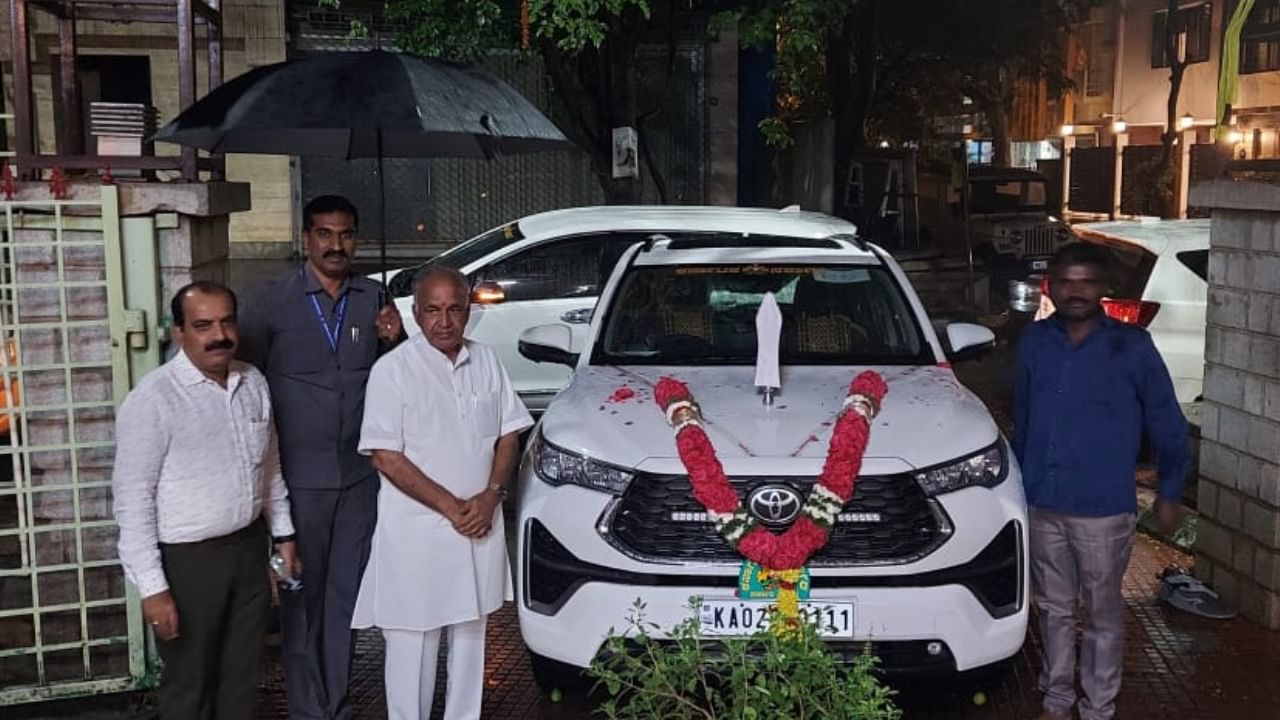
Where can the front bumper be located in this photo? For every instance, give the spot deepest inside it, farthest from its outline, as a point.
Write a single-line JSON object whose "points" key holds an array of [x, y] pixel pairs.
{"points": [[967, 599]]}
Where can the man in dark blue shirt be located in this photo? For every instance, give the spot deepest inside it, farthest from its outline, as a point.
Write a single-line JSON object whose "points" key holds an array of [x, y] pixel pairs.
{"points": [[1087, 389]]}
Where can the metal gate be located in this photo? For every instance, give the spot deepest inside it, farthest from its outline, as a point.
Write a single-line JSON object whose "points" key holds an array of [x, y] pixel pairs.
{"points": [[1137, 194], [69, 623], [1092, 178]]}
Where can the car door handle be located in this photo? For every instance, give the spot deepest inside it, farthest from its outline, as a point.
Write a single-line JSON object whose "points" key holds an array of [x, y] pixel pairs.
{"points": [[581, 316]]}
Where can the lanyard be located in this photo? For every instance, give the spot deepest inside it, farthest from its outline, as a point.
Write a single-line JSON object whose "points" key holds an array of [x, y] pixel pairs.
{"points": [[331, 333]]}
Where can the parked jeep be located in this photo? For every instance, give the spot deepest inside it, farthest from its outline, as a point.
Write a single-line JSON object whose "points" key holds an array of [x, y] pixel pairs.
{"points": [[1009, 223]]}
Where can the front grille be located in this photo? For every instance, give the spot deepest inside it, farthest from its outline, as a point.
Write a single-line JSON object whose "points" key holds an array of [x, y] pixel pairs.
{"points": [[907, 528], [1040, 240]]}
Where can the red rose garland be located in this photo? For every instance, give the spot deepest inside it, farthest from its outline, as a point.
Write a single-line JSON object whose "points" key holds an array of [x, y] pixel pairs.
{"points": [[793, 548]]}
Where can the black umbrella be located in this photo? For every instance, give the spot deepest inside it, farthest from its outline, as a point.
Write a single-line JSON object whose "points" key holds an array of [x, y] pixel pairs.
{"points": [[365, 105]]}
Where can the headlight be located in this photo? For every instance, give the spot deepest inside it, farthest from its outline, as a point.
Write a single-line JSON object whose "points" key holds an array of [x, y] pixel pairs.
{"points": [[985, 469], [560, 467]]}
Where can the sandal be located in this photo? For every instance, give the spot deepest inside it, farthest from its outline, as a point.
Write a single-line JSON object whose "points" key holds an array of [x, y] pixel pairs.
{"points": [[1184, 592]]}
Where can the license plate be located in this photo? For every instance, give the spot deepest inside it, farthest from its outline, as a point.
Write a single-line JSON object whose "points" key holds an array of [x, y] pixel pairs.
{"points": [[1039, 264], [745, 617]]}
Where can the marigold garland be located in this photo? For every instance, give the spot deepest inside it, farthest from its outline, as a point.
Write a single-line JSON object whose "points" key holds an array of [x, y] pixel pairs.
{"points": [[780, 556]]}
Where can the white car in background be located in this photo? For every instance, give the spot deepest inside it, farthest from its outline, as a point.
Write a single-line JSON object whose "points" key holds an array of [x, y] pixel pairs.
{"points": [[1162, 270], [927, 562], [548, 268]]}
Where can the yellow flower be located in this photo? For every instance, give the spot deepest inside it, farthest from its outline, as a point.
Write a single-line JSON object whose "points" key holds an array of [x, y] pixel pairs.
{"points": [[788, 599]]}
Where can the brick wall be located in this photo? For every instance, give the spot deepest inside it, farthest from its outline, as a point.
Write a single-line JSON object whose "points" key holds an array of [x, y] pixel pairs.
{"points": [[1238, 548]]}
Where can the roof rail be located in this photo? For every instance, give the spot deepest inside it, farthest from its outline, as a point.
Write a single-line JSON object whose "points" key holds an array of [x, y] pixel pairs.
{"points": [[653, 240], [856, 240]]}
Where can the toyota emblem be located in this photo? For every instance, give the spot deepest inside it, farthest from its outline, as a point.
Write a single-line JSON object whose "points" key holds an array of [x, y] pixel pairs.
{"points": [[774, 504]]}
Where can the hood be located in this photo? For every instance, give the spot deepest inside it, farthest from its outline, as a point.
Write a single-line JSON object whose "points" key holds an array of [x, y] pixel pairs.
{"points": [[927, 418]]}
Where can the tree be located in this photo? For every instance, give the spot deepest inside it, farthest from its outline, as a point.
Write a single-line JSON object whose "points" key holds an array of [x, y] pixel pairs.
{"points": [[589, 49], [1158, 180], [849, 59]]}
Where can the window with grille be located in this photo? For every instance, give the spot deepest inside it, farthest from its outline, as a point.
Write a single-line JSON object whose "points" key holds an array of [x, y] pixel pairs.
{"points": [[1095, 59], [1260, 39], [1192, 27]]}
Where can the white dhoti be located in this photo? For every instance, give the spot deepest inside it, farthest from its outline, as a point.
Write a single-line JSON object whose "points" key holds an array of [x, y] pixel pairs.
{"points": [[411, 671]]}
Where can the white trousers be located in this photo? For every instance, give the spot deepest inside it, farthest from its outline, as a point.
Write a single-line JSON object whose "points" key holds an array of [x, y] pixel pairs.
{"points": [[411, 672]]}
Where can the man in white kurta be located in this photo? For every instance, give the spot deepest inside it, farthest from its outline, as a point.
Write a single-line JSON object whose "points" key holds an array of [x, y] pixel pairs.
{"points": [[442, 424]]}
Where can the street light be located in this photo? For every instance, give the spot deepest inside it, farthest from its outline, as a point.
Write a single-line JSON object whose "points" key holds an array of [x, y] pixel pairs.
{"points": [[1186, 121], [1068, 130], [1119, 126]]}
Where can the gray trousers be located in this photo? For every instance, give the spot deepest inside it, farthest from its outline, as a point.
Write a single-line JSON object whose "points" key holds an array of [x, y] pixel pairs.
{"points": [[1072, 558], [334, 528]]}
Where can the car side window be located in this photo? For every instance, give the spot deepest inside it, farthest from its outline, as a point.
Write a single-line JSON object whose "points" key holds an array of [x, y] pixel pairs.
{"points": [[570, 268], [558, 269], [1197, 261]]}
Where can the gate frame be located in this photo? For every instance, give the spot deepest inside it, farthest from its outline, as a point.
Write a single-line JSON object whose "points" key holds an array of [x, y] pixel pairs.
{"points": [[128, 278]]}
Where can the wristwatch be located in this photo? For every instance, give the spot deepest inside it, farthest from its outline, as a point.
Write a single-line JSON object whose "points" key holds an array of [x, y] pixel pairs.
{"points": [[500, 489]]}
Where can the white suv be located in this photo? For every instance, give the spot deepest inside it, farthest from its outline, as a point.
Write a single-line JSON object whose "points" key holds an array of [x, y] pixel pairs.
{"points": [[927, 561]]}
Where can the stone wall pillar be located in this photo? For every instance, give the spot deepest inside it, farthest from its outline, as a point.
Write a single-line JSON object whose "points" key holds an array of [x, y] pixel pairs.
{"points": [[1238, 548]]}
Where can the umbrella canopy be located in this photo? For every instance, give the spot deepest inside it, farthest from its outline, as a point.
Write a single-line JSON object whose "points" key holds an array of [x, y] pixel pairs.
{"points": [[365, 104]]}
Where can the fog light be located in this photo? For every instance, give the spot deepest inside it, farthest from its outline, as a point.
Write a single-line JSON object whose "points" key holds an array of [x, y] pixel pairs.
{"points": [[934, 648], [1024, 295]]}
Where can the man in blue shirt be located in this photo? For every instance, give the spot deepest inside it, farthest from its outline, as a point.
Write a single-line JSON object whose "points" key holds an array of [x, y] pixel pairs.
{"points": [[1087, 389]]}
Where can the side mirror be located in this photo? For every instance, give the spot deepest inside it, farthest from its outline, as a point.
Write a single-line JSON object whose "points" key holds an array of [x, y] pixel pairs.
{"points": [[968, 341], [548, 344], [488, 293]]}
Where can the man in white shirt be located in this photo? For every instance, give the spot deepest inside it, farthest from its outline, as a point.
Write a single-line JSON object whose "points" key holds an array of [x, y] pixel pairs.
{"points": [[442, 423], [196, 488]]}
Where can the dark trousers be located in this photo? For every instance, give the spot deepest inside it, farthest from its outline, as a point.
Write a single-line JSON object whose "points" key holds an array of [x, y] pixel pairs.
{"points": [[223, 594], [335, 529]]}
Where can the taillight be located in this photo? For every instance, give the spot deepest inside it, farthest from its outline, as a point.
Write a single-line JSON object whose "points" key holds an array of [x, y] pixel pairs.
{"points": [[1044, 286], [1131, 312]]}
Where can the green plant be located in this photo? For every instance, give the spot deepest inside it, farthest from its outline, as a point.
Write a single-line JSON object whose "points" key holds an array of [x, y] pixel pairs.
{"points": [[683, 676]]}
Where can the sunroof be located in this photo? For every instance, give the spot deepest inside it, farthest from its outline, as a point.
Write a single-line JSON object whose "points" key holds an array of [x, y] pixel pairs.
{"points": [[722, 240]]}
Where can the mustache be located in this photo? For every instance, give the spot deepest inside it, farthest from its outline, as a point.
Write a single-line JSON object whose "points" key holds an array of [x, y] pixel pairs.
{"points": [[225, 344], [337, 254]]}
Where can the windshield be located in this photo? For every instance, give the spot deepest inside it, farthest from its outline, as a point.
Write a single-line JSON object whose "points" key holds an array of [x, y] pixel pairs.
{"points": [[706, 315], [1006, 196]]}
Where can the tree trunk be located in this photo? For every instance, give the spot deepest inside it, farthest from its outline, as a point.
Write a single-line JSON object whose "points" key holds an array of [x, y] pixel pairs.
{"points": [[852, 63], [618, 56], [1000, 137], [650, 162], [1177, 68], [595, 92]]}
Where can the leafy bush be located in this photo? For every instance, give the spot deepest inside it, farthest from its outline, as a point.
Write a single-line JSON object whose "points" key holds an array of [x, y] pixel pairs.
{"points": [[762, 677]]}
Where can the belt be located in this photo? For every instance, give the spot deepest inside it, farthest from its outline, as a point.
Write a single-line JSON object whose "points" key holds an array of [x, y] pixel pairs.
{"points": [[251, 531]]}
